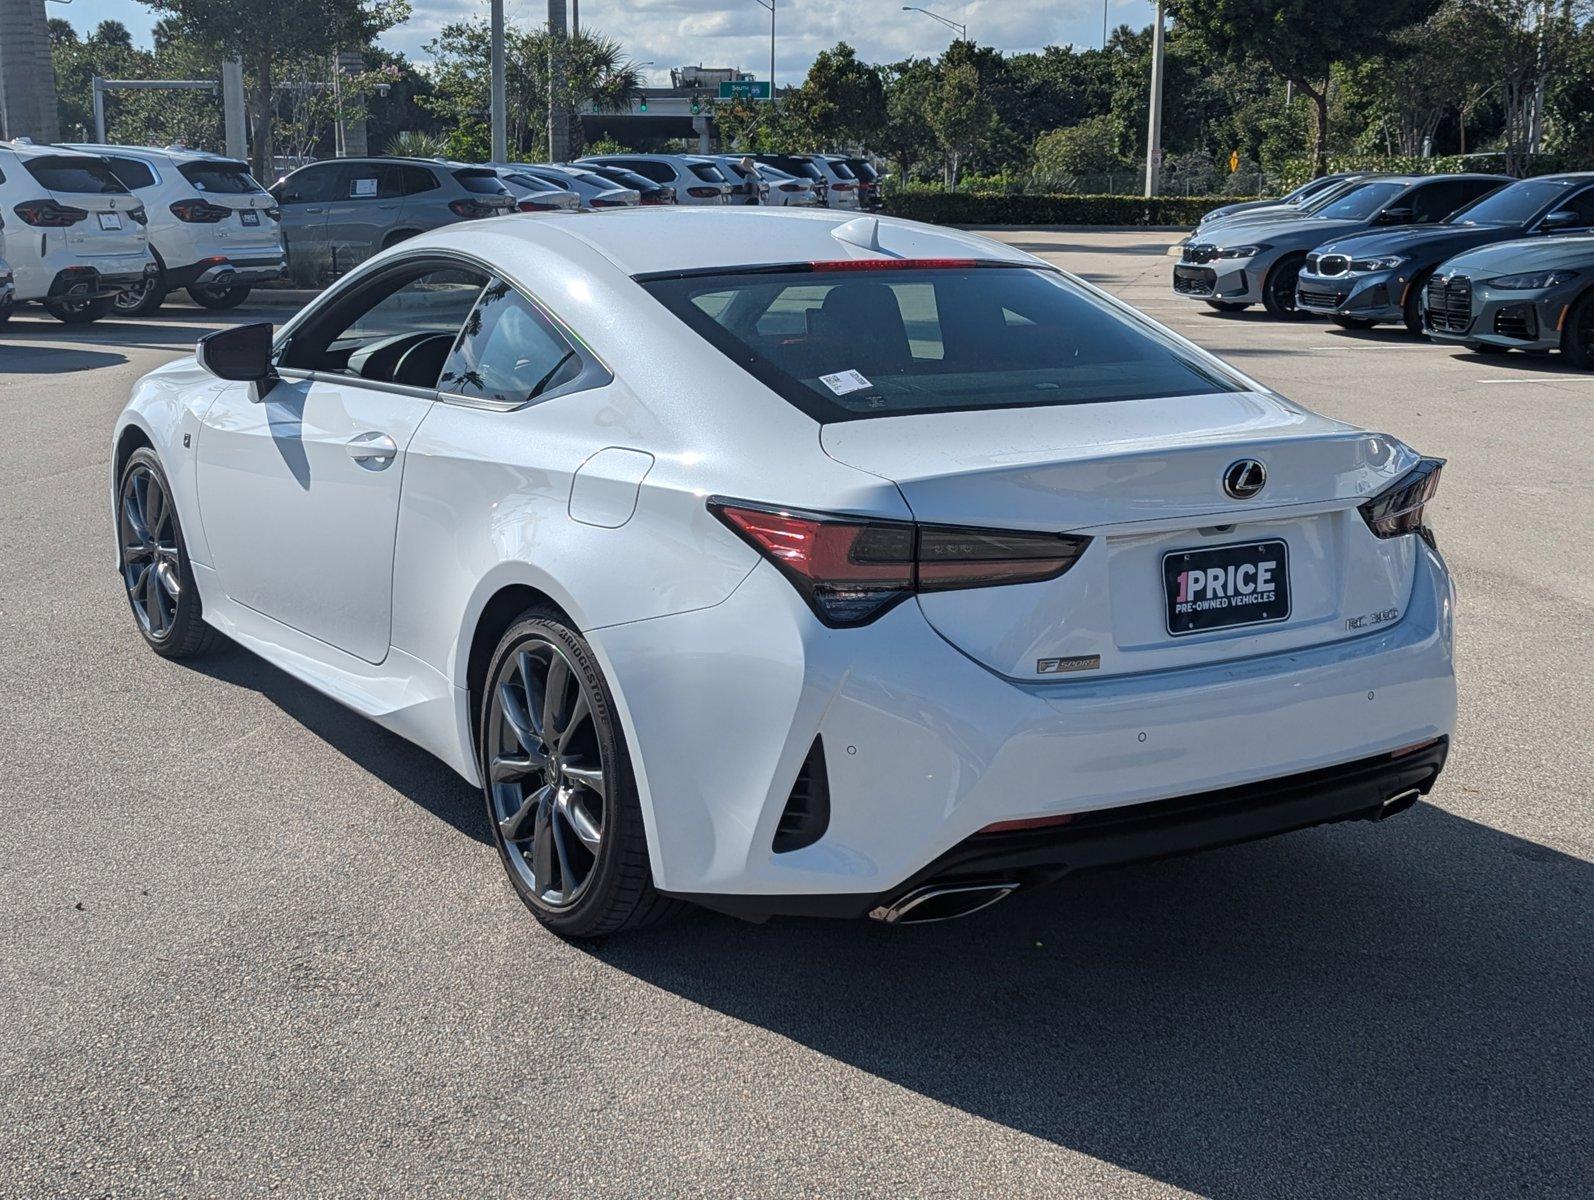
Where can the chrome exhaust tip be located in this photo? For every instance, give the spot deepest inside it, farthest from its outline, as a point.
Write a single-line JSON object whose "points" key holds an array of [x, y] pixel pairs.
{"points": [[942, 902], [1399, 803]]}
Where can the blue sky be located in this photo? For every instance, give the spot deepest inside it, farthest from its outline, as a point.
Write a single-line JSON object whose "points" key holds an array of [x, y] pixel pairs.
{"points": [[736, 32]]}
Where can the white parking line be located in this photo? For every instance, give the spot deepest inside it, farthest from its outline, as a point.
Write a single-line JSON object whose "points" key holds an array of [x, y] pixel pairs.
{"points": [[1542, 379]]}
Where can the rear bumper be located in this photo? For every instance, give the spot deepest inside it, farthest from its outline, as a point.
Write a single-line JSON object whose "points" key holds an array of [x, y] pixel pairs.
{"points": [[228, 272], [109, 279], [923, 748], [1369, 789]]}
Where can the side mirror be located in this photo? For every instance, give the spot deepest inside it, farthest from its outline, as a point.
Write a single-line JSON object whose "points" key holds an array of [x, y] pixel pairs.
{"points": [[241, 354], [1561, 218], [1395, 216]]}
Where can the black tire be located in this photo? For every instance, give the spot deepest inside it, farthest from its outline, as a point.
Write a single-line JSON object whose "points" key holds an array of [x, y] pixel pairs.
{"points": [[78, 312], [1228, 306], [141, 301], [7, 307], [1412, 313], [1278, 289], [1487, 348], [1352, 322], [156, 575], [536, 763], [219, 298], [1577, 335]]}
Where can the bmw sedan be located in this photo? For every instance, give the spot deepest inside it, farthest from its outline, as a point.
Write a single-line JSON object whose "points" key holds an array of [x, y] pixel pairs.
{"points": [[1533, 294], [1245, 262], [788, 562]]}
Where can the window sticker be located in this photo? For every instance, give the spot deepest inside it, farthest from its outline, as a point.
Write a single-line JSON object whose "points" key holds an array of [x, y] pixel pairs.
{"points": [[843, 382], [363, 187]]}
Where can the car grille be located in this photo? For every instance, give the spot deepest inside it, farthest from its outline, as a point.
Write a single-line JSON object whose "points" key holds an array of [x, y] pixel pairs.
{"points": [[1332, 264], [1518, 321], [1450, 304], [1199, 252], [1320, 299]]}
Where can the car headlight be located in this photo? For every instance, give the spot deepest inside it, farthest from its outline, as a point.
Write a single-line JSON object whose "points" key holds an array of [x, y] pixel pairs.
{"points": [[1243, 251], [1532, 281], [1388, 263]]}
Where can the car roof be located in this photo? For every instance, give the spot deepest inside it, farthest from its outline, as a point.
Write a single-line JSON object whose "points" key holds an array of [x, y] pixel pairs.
{"points": [[30, 149], [175, 154], [645, 241]]}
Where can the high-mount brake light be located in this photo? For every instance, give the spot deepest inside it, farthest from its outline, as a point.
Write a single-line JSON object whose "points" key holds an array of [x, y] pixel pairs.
{"points": [[851, 570], [48, 214], [1399, 507], [894, 264]]}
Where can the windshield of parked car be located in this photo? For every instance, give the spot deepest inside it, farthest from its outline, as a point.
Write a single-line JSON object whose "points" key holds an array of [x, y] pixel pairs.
{"points": [[71, 173], [1362, 202], [225, 178], [843, 344], [1515, 205], [480, 181], [531, 183], [1323, 197]]}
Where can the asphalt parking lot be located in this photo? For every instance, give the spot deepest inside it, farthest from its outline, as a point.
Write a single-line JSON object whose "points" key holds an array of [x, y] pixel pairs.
{"points": [[254, 944]]}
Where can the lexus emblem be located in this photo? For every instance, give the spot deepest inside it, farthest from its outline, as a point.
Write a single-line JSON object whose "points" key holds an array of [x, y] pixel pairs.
{"points": [[1244, 479]]}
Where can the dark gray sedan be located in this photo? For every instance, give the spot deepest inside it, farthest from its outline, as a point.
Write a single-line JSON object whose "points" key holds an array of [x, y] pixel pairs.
{"points": [[1249, 262], [1530, 294]]}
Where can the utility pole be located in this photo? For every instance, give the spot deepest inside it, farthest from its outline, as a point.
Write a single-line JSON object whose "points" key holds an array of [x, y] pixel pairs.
{"points": [[558, 116], [500, 116], [232, 106], [1154, 124], [770, 4]]}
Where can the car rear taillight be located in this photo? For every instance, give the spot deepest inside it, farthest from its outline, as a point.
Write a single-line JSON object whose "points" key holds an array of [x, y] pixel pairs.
{"points": [[473, 208], [851, 570], [703, 193], [527, 204], [841, 187], [47, 214], [199, 212], [599, 202], [273, 212], [138, 215], [1398, 508], [792, 187]]}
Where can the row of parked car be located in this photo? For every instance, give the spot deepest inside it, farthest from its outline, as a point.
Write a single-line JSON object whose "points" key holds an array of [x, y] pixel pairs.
{"points": [[1487, 261], [119, 228]]}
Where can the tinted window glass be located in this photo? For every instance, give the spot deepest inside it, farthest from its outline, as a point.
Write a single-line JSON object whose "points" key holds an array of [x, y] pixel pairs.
{"points": [[1583, 205], [1517, 204], [131, 172], [707, 172], [482, 183], [1362, 202], [863, 170], [842, 170], [232, 178], [399, 330], [838, 344], [1320, 200], [83, 175], [308, 185], [1477, 189], [508, 351], [1436, 201], [656, 171], [531, 183], [361, 181], [414, 180]]}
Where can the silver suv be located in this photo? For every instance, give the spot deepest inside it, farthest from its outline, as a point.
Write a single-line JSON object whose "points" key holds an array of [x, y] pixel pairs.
{"points": [[336, 214]]}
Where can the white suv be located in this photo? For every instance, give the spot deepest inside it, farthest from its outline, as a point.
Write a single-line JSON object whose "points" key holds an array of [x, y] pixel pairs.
{"points": [[77, 235], [696, 179], [212, 228]]}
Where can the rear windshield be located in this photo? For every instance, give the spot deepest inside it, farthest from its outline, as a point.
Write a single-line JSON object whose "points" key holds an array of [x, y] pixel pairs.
{"points": [[863, 170], [1362, 202], [480, 181], [707, 172], [847, 344], [842, 170], [83, 175], [1515, 205], [231, 178], [531, 183]]}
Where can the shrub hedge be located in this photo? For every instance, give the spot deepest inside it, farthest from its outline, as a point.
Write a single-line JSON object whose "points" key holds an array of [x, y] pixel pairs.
{"points": [[1298, 171], [998, 208]]}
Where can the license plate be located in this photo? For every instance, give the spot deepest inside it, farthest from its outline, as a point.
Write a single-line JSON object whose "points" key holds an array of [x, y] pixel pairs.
{"points": [[250, 217], [1221, 587], [110, 220]]}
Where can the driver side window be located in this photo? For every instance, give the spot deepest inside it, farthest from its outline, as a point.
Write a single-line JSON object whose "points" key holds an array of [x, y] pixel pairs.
{"points": [[400, 329]]}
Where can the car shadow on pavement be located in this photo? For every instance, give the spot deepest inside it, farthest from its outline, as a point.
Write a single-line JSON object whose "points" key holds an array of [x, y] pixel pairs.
{"points": [[1399, 1009], [403, 766], [48, 360]]}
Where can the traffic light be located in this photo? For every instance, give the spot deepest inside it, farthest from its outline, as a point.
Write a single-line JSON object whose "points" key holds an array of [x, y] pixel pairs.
{"points": [[697, 106], [644, 104]]}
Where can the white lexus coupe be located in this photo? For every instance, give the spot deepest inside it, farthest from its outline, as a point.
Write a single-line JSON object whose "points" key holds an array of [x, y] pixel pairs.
{"points": [[782, 562]]}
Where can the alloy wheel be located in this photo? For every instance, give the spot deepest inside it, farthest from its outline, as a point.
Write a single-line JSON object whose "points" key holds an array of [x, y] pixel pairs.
{"points": [[131, 300], [150, 567], [546, 773]]}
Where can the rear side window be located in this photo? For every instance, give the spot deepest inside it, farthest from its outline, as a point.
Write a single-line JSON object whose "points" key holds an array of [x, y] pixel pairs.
{"points": [[849, 344], [87, 176], [228, 178], [646, 167], [131, 173], [508, 352], [412, 181], [480, 182], [310, 185]]}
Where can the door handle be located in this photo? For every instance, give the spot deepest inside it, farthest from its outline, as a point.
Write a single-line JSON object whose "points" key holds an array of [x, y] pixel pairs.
{"points": [[376, 449], [315, 210]]}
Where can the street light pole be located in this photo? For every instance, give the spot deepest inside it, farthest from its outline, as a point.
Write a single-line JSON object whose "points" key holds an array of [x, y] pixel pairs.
{"points": [[500, 114], [962, 30], [770, 4], [1154, 124]]}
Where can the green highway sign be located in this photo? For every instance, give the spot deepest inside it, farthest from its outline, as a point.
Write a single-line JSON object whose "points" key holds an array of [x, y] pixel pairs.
{"points": [[746, 88]]}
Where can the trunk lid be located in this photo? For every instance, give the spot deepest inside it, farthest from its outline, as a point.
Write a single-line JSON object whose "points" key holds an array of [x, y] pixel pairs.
{"points": [[84, 182], [1145, 479]]}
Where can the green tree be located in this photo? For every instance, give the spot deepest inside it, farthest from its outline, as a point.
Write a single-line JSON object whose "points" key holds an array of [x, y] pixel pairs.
{"points": [[842, 102], [1301, 40], [262, 34], [1088, 148], [960, 116], [906, 137]]}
